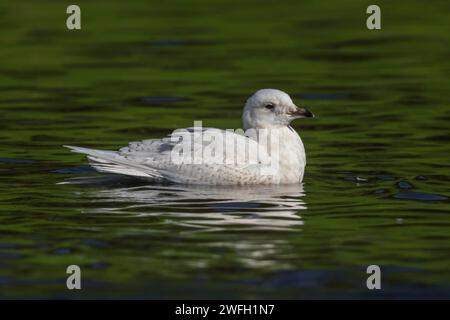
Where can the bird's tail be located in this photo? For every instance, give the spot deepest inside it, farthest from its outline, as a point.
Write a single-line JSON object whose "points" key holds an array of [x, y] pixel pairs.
{"points": [[113, 162]]}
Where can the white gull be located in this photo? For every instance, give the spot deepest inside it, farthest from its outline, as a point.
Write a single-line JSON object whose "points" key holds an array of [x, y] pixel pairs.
{"points": [[267, 111]]}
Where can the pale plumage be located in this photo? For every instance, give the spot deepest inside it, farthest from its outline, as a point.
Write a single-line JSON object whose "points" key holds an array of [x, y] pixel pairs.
{"points": [[218, 157]]}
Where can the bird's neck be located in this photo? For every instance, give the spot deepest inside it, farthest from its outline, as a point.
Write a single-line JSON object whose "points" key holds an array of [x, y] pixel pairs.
{"points": [[283, 137]]}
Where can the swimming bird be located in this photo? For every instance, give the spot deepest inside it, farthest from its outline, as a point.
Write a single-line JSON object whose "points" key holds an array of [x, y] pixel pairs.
{"points": [[270, 151]]}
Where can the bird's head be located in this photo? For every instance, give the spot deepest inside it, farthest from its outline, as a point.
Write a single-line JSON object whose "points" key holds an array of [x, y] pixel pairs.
{"points": [[271, 108]]}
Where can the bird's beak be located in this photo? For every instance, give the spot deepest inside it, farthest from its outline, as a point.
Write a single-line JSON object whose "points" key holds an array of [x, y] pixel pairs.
{"points": [[301, 113]]}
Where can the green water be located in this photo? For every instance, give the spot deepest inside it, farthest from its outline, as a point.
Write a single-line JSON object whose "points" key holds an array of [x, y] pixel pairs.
{"points": [[377, 182]]}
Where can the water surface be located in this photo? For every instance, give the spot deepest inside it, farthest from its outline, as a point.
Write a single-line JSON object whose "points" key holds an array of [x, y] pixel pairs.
{"points": [[376, 189]]}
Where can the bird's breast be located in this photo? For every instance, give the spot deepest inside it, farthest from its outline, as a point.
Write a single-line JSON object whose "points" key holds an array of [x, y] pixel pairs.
{"points": [[292, 158]]}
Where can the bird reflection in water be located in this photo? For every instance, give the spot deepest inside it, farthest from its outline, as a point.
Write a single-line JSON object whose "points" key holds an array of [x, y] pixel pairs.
{"points": [[202, 208]]}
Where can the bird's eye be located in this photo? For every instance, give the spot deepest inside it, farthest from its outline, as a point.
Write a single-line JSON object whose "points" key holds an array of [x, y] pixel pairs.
{"points": [[270, 107]]}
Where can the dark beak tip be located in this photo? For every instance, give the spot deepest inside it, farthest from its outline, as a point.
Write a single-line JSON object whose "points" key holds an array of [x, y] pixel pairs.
{"points": [[303, 113], [307, 113]]}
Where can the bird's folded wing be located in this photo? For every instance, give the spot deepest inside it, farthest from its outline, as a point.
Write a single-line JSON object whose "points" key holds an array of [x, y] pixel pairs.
{"points": [[204, 155]]}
